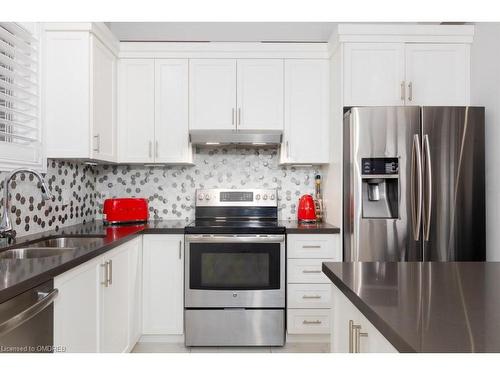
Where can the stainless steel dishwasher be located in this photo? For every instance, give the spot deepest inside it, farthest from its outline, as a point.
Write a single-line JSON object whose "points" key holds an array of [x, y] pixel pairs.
{"points": [[27, 320]]}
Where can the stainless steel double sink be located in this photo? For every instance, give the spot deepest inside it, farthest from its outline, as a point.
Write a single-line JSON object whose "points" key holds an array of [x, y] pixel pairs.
{"points": [[52, 247]]}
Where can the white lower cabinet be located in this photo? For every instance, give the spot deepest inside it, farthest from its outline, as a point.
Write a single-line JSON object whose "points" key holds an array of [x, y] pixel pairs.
{"points": [[76, 308], [351, 332], [309, 290], [93, 310], [163, 284]]}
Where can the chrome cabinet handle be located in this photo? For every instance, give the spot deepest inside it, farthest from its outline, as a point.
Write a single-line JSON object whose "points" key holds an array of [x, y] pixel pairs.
{"points": [[410, 91], [106, 273], [428, 193], [110, 274], [310, 297], [97, 147], [287, 150], [311, 246], [239, 116], [180, 249], [311, 322], [232, 116], [403, 90], [150, 152], [156, 149], [355, 335], [311, 271], [30, 312], [416, 199]]}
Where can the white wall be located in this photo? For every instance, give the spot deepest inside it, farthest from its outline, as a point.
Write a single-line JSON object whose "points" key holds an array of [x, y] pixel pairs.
{"points": [[485, 91]]}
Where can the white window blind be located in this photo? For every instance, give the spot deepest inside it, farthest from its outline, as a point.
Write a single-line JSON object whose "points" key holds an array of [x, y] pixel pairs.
{"points": [[20, 135]]}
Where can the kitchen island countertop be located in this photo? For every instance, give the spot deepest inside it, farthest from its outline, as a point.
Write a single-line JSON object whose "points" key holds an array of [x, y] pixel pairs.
{"points": [[426, 306]]}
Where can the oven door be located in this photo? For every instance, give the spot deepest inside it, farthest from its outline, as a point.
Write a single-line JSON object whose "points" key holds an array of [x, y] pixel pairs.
{"points": [[237, 271]]}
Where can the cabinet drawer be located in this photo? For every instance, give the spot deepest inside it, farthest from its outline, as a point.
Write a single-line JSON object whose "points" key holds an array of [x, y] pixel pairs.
{"points": [[311, 321], [314, 246], [309, 296], [306, 271]]}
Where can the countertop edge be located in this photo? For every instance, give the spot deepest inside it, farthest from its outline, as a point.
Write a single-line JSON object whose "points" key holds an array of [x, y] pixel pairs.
{"points": [[391, 335]]}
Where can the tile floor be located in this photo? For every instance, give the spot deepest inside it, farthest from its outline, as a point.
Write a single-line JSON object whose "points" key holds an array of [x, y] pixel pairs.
{"points": [[294, 347]]}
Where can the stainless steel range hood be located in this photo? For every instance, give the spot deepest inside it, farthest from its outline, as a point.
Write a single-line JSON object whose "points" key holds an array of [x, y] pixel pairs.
{"points": [[240, 137]]}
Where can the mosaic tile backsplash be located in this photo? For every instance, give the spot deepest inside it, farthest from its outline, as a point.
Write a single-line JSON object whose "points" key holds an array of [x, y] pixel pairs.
{"points": [[79, 190], [73, 188], [171, 189]]}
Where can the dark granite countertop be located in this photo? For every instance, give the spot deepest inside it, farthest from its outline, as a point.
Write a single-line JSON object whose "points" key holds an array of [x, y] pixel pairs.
{"points": [[426, 306], [19, 275], [294, 227]]}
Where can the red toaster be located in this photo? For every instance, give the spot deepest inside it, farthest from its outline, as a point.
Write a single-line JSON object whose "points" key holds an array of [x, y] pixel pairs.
{"points": [[125, 210]]}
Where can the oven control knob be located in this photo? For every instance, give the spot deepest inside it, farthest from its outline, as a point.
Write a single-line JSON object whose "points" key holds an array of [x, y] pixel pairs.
{"points": [[272, 197], [207, 197], [265, 197], [235, 295], [200, 197], [257, 197]]}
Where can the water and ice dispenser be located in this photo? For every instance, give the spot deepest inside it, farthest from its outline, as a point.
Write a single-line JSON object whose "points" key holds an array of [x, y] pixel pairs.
{"points": [[380, 188]]}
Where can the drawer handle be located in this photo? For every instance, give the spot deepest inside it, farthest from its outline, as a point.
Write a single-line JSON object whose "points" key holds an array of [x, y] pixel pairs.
{"points": [[311, 246], [311, 322], [311, 297], [311, 271]]}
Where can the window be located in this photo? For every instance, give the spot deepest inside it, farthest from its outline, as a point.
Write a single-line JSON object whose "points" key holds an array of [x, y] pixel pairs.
{"points": [[20, 130]]}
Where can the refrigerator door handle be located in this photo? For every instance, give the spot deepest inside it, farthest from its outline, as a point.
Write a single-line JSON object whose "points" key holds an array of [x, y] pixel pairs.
{"points": [[428, 188], [416, 199]]}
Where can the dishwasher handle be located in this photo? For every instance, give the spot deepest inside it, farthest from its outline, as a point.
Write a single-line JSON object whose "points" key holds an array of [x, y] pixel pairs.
{"points": [[30, 312]]}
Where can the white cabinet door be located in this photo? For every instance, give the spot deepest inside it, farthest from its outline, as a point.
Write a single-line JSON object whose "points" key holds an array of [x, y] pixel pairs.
{"points": [[136, 110], [135, 291], [260, 94], [373, 74], [103, 99], [307, 106], [115, 302], [66, 94], [343, 312], [172, 111], [439, 74], [163, 284], [76, 308], [212, 93]]}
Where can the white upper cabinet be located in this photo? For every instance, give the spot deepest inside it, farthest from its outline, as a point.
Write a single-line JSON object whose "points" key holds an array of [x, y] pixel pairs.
{"points": [[406, 74], [103, 97], [373, 73], [260, 94], [307, 108], [212, 93], [172, 111], [136, 116], [153, 115], [437, 74], [79, 92]]}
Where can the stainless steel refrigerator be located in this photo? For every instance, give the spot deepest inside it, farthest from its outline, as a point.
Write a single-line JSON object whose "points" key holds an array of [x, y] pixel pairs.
{"points": [[413, 186]]}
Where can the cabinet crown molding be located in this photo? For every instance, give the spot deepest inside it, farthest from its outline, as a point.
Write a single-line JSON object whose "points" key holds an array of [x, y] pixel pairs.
{"points": [[401, 33], [228, 50]]}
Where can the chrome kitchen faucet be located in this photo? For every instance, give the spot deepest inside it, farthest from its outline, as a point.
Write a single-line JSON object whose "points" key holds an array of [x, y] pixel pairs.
{"points": [[5, 223]]}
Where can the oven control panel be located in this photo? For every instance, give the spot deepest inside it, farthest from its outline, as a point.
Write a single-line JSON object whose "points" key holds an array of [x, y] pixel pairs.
{"points": [[237, 197]]}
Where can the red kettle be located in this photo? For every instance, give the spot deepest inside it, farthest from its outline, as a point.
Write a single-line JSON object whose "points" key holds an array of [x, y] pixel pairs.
{"points": [[306, 211]]}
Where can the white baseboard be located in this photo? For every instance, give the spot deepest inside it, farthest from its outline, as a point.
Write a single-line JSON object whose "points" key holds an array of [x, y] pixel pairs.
{"points": [[162, 338], [308, 338]]}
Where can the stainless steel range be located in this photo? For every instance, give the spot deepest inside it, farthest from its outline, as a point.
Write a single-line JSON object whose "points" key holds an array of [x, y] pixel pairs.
{"points": [[235, 270]]}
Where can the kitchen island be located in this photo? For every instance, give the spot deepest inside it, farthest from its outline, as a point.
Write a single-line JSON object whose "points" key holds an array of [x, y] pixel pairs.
{"points": [[415, 306]]}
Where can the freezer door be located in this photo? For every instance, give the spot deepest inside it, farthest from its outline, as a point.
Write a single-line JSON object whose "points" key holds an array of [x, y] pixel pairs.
{"points": [[454, 188], [381, 132]]}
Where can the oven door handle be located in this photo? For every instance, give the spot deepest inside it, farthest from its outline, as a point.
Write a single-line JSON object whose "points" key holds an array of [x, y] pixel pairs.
{"points": [[234, 238]]}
